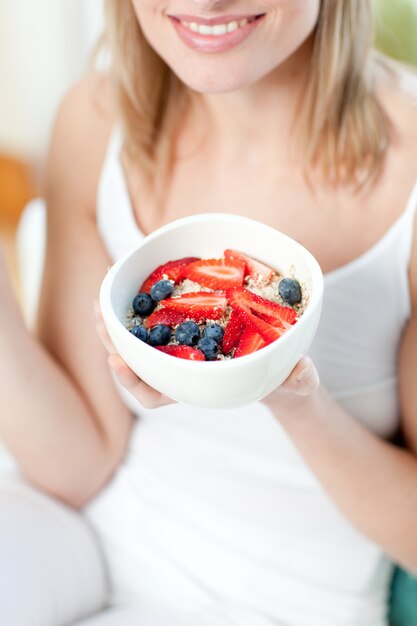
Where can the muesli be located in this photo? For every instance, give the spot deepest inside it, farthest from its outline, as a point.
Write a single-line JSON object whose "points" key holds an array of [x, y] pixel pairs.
{"points": [[215, 309]]}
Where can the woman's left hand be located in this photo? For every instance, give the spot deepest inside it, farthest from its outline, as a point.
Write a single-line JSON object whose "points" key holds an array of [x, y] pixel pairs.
{"points": [[303, 381], [304, 378]]}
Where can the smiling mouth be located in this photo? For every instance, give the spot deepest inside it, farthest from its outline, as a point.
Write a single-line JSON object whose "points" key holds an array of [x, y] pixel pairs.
{"points": [[219, 28]]}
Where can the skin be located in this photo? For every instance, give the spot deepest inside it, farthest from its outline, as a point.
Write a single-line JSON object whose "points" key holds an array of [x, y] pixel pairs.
{"points": [[373, 482]]}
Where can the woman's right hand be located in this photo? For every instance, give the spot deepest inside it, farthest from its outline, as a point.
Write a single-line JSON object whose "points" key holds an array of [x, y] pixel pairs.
{"points": [[149, 397]]}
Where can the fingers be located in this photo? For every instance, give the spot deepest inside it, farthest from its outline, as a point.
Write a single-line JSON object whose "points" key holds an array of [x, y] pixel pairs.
{"points": [[304, 378], [149, 397]]}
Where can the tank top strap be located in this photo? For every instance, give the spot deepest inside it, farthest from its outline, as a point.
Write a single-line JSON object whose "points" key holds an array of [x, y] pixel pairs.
{"points": [[409, 228], [115, 144], [411, 207], [115, 220]]}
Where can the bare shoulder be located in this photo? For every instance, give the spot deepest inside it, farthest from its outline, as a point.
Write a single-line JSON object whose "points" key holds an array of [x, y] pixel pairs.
{"points": [[80, 135], [397, 91]]}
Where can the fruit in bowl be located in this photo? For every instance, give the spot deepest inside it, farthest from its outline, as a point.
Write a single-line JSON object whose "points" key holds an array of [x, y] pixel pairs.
{"points": [[215, 309], [236, 302]]}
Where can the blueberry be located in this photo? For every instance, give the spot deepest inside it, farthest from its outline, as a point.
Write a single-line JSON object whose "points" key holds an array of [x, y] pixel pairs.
{"points": [[214, 331], [187, 333], [143, 304], [209, 348], [140, 332], [290, 290], [159, 335], [161, 290]]}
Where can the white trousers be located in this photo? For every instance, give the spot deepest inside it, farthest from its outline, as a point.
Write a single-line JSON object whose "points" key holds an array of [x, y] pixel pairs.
{"points": [[51, 569], [52, 572]]}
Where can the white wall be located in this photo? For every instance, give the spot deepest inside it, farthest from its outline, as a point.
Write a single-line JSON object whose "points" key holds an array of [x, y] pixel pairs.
{"points": [[44, 46]]}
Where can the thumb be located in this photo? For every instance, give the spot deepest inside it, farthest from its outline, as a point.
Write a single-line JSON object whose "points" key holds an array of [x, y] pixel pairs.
{"points": [[304, 378]]}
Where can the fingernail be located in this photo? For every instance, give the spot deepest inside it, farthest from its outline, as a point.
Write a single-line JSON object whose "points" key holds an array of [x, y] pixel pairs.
{"points": [[305, 372], [96, 309]]}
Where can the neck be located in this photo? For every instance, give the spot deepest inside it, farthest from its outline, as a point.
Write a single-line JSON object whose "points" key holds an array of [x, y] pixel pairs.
{"points": [[258, 117]]}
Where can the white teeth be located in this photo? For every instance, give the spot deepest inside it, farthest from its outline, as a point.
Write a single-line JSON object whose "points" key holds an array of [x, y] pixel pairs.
{"points": [[217, 29], [205, 30]]}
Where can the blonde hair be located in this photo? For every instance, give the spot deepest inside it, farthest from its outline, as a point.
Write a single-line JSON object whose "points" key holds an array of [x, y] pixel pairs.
{"points": [[341, 122]]}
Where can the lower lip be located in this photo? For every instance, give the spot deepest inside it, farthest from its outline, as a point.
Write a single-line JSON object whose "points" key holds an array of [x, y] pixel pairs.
{"points": [[214, 43]]}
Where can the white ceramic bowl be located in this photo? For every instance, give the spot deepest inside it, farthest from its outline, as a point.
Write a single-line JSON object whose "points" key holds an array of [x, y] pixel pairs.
{"points": [[219, 384]]}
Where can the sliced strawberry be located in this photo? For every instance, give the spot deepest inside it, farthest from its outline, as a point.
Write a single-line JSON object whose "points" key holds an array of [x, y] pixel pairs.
{"points": [[255, 269], [287, 318], [271, 312], [183, 352], [172, 270], [232, 332], [199, 305], [216, 273], [164, 316], [268, 333], [251, 341], [246, 303]]}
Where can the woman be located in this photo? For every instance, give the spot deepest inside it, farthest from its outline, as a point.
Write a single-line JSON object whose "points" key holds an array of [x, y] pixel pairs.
{"points": [[287, 511]]}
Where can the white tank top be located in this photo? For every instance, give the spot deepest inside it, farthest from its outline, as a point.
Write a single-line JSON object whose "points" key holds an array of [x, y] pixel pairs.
{"points": [[215, 511]]}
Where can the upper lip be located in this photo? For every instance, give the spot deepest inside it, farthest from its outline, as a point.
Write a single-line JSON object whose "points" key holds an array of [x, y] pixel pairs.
{"points": [[221, 19]]}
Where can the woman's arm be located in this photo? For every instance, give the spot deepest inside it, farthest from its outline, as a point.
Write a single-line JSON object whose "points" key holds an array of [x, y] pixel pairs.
{"points": [[60, 413], [373, 482], [43, 419]]}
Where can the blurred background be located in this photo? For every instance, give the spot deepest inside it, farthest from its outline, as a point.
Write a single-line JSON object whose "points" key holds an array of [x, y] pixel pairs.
{"points": [[44, 48]]}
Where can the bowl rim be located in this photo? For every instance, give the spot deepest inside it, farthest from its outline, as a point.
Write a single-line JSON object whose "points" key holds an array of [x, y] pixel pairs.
{"points": [[315, 298]]}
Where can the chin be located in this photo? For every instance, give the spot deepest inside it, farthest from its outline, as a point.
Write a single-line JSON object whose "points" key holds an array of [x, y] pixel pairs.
{"points": [[211, 82], [204, 87]]}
